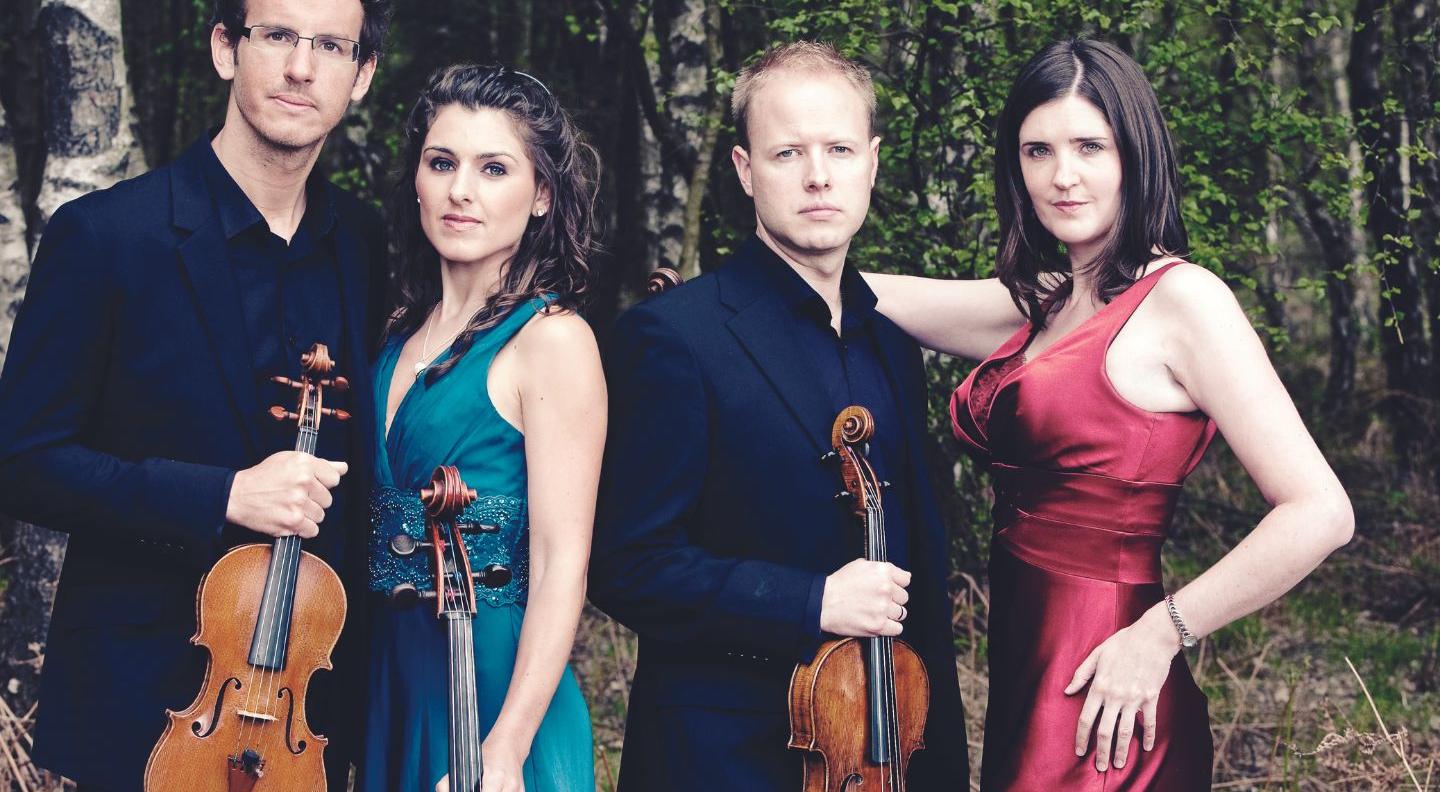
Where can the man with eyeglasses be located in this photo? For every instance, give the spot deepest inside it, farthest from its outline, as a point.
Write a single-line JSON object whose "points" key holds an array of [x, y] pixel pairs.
{"points": [[133, 396]]}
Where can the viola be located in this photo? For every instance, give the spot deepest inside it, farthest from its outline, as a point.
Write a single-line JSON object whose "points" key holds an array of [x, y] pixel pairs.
{"points": [[269, 616], [454, 595], [858, 709], [661, 280]]}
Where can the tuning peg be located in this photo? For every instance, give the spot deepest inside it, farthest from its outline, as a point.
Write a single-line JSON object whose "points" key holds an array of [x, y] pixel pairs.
{"points": [[287, 381], [842, 496], [884, 485], [281, 414], [405, 544], [339, 383], [493, 576], [406, 595], [473, 527], [339, 415]]}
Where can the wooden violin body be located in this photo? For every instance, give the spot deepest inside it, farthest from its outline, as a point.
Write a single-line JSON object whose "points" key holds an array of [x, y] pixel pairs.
{"points": [[246, 730], [858, 709], [269, 616], [828, 716]]}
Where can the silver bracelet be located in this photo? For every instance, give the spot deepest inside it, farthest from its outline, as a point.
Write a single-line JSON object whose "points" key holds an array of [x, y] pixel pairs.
{"points": [[1187, 638]]}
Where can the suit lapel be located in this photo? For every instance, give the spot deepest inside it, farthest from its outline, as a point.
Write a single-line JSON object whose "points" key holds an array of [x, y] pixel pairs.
{"points": [[354, 298], [207, 267], [217, 298], [896, 349], [763, 325], [764, 330]]}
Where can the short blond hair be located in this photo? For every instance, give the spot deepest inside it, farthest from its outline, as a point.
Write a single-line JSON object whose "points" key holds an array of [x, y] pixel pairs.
{"points": [[804, 56]]}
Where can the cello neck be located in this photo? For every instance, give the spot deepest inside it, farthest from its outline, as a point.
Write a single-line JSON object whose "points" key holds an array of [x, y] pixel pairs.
{"points": [[465, 764]]}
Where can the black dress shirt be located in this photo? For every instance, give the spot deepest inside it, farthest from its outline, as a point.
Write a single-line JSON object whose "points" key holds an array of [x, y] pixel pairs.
{"points": [[289, 297], [852, 372]]}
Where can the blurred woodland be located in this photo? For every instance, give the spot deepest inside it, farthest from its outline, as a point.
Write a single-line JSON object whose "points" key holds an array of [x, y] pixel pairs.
{"points": [[1309, 140]]}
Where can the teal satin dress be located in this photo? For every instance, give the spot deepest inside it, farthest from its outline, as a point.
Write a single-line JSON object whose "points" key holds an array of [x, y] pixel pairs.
{"points": [[453, 422]]}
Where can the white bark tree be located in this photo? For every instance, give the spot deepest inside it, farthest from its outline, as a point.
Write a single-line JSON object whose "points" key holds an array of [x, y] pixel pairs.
{"points": [[14, 255], [90, 145], [89, 140]]}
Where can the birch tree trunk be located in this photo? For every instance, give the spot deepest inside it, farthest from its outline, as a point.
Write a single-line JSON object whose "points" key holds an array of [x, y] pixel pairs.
{"points": [[682, 72], [88, 102], [14, 254], [90, 146]]}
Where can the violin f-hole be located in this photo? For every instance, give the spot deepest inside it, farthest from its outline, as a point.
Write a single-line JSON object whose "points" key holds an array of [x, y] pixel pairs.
{"points": [[197, 726]]}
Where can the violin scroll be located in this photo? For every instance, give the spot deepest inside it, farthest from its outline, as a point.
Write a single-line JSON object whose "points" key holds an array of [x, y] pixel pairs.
{"points": [[853, 427], [662, 279]]}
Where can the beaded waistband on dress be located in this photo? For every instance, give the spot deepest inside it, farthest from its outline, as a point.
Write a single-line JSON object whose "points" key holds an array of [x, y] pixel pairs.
{"points": [[501, 536]]}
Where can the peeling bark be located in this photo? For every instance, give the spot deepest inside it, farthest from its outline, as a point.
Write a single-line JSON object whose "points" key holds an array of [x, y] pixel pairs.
{"points": [[90, 146], [14, 254], [88, 106]]}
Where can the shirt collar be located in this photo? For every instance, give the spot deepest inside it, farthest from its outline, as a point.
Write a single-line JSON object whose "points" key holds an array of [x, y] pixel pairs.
{"points": [[857, 300], [238, 214]]}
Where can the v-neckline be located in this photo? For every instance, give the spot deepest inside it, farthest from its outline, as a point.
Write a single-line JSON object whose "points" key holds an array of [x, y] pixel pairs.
{"points": [[999, 360], [388, 420], [1077, 329]]}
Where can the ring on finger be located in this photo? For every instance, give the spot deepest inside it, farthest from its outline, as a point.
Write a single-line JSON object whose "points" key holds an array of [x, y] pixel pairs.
{"points": [[903, 613]]}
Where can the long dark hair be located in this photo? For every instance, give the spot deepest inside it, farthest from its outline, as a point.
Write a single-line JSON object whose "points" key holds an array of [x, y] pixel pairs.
{"points": [[1149, 214], [554, 252]]}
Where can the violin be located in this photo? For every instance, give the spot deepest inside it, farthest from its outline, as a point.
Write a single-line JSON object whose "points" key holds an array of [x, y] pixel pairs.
{"points": [[858, 709], [454, 595], [269, 616], [661, 280]]}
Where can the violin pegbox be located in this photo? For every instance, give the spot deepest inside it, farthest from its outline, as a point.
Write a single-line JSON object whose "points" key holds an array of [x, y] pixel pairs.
{"points": [[311, 385]]}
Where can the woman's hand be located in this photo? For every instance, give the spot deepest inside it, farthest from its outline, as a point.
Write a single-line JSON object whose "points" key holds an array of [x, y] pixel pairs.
{"points": [[502, 766], [502, 769], [1125, 674]]}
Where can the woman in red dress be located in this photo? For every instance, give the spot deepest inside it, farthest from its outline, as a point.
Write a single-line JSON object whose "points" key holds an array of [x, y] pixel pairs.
{"points": [[1108, 365]]}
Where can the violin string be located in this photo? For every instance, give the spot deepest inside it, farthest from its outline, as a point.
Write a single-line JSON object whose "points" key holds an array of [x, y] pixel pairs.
{"points": [[888, 655], [288, 548], [277, 599], [888, 705], [460, 730]]}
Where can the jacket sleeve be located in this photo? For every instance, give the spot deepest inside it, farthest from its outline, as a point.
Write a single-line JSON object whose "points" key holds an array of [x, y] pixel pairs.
{"points": [[49, 395], [645, 571]]}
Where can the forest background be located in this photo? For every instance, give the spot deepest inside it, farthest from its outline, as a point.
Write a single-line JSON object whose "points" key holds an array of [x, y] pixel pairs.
{"points": [[1308, 134]]}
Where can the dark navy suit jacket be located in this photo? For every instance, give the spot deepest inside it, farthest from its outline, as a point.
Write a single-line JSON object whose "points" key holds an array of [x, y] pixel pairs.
{"points": [[717, 525], [127, 402]]}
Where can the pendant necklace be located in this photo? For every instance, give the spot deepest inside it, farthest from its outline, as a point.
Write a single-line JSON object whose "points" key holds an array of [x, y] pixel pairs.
{"points": [[426, 354]]}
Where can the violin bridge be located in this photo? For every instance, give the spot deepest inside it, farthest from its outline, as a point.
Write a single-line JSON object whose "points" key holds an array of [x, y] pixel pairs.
{"points": [[256, 716]]}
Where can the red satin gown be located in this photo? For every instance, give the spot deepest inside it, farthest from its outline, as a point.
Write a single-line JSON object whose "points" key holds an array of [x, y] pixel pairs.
{"points": [[1085, 486]]}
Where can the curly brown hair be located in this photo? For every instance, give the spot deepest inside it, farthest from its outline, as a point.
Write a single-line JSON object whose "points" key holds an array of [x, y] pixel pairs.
{"points": [[553, 258]]}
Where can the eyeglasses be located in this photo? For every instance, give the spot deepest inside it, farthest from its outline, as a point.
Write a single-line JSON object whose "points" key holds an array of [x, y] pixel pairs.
{"points": [[277, 39]]}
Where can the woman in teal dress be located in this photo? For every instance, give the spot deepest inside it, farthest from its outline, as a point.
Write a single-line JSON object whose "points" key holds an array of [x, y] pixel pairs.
{"points": [[488, 367]]}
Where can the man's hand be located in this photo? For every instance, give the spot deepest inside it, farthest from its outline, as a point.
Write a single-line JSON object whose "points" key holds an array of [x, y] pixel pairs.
{"points": [[285, 495], [864, 599]]}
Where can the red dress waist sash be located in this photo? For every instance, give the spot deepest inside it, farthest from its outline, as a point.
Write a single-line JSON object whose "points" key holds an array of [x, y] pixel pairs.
{"points": [[1083, 524]]}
